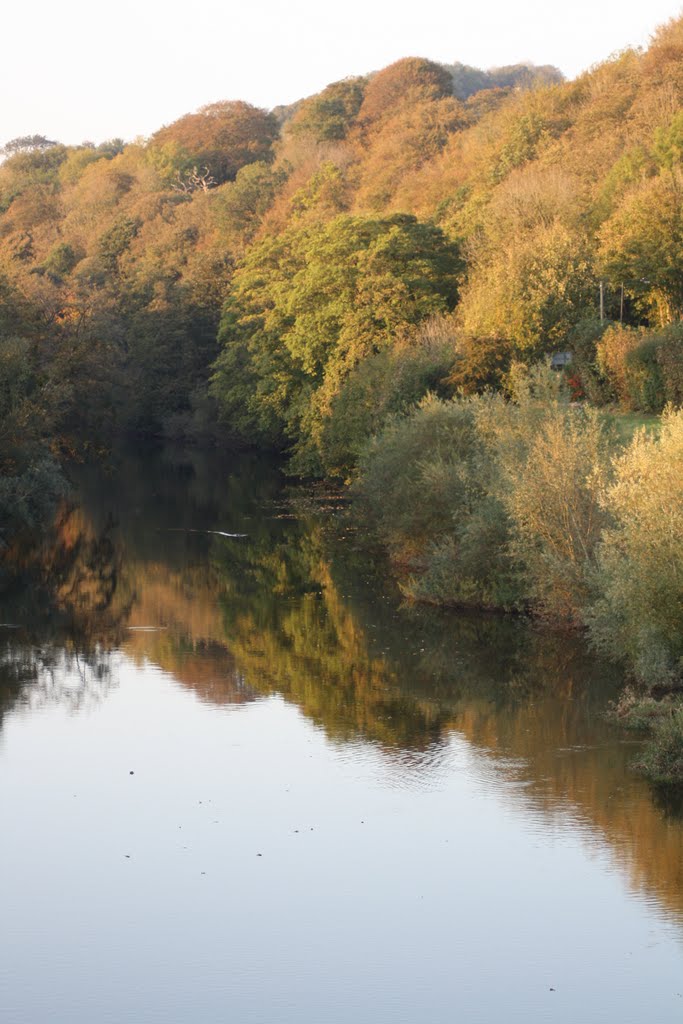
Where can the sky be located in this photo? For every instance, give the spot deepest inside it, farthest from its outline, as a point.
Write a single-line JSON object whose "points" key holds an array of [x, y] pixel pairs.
{"points": [[76, 70]]}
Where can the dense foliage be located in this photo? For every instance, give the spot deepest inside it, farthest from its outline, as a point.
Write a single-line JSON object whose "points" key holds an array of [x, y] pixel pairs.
{"points": [[484, 501], [305, 309], [322, 232], [317, 276]]}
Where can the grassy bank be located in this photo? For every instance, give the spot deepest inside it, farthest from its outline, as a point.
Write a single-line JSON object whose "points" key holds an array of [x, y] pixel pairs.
{"points": [[625, 425]]}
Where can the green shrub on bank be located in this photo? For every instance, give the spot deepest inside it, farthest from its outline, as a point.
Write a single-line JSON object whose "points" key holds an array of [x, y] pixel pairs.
{"points": [[386, 383], [662, 718], [638, 615], [492, 500], [426, 485], [662, 759], [551, 458], [518, 500], [417, 474]]}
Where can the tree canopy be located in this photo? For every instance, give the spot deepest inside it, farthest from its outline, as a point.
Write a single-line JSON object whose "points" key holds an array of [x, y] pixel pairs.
{"points": [[306, 308], [220, 136]]}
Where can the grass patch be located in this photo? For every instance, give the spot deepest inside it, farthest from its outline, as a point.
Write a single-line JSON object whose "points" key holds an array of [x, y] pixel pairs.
{"points": [[625, 424]]}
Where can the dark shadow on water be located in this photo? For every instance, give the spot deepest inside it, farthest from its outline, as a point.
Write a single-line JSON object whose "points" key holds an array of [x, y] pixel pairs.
{"points": [[670, 800]]}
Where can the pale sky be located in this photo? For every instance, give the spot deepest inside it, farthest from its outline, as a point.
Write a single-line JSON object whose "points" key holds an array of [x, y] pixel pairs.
{"points": [[75, 70]]}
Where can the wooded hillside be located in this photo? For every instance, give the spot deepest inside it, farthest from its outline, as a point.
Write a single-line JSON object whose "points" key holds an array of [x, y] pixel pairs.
{"points": [[324, 233]]}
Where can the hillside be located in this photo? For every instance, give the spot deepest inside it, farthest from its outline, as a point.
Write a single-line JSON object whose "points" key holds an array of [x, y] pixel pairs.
{"points": [[291, 257]]}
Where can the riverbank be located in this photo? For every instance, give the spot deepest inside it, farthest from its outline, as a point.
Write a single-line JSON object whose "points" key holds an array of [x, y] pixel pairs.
{"points": [[534, 504]]}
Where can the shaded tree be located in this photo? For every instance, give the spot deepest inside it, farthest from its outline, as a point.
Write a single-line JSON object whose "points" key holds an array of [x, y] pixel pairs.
{"points": [[306, 308]]}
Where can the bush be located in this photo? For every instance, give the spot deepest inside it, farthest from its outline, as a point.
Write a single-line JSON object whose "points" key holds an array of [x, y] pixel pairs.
{"points": [[662, 759], [644, 368], [638, 616], [644, 379], [482, 364], [670, 358], [613, 350], [551, 457], [425, 484], [493, 501], [582, 342], [499, 502], [386, 383]]}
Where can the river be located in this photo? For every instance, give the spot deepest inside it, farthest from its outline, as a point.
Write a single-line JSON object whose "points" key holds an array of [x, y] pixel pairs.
{"points": [[241, 782]]}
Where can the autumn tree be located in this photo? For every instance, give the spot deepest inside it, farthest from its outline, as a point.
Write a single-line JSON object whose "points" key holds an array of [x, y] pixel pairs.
{"points": [[222, 137], [27, 144], [405, 82], [329, 115], [642, 245]]}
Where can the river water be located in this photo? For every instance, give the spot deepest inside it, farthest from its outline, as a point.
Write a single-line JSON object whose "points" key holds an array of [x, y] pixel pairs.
{"points": [[239, 782]]}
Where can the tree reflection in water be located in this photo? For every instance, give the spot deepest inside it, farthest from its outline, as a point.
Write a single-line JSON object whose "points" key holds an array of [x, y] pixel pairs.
{"points": [[295, 609]]}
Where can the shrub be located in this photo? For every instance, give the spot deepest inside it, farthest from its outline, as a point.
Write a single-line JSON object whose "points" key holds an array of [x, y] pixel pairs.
{"points": [[644, 368], [613, 350], [644, 376], [551, 458], [493, 501], [386, 383], [638, 616], [670, 359], [662, 759], [482, 364], [436, 438], [425, 483], [582, 342]]}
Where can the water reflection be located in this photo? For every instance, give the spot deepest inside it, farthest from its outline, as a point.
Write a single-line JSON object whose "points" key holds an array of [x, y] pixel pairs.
{"points": [[132, 570]]}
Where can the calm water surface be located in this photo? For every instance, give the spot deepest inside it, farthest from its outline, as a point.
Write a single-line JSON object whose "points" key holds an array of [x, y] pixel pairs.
{"points": [[239, 783]]}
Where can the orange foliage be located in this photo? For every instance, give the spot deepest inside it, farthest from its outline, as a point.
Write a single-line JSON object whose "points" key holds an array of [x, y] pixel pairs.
{"points": [[407, 81], [222, 136]]}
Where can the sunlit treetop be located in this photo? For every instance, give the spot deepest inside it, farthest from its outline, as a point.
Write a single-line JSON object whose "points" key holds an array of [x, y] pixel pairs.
{"points": [[222, 137]]}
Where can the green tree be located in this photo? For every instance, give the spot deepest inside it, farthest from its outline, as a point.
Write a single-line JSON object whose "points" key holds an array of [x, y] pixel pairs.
{"points": [[641, 245], [30, 480], [329, 115], [307, 307]]}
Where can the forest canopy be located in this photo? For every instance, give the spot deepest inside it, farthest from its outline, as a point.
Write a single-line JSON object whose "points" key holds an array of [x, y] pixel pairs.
{"points": [[241, 270]]}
